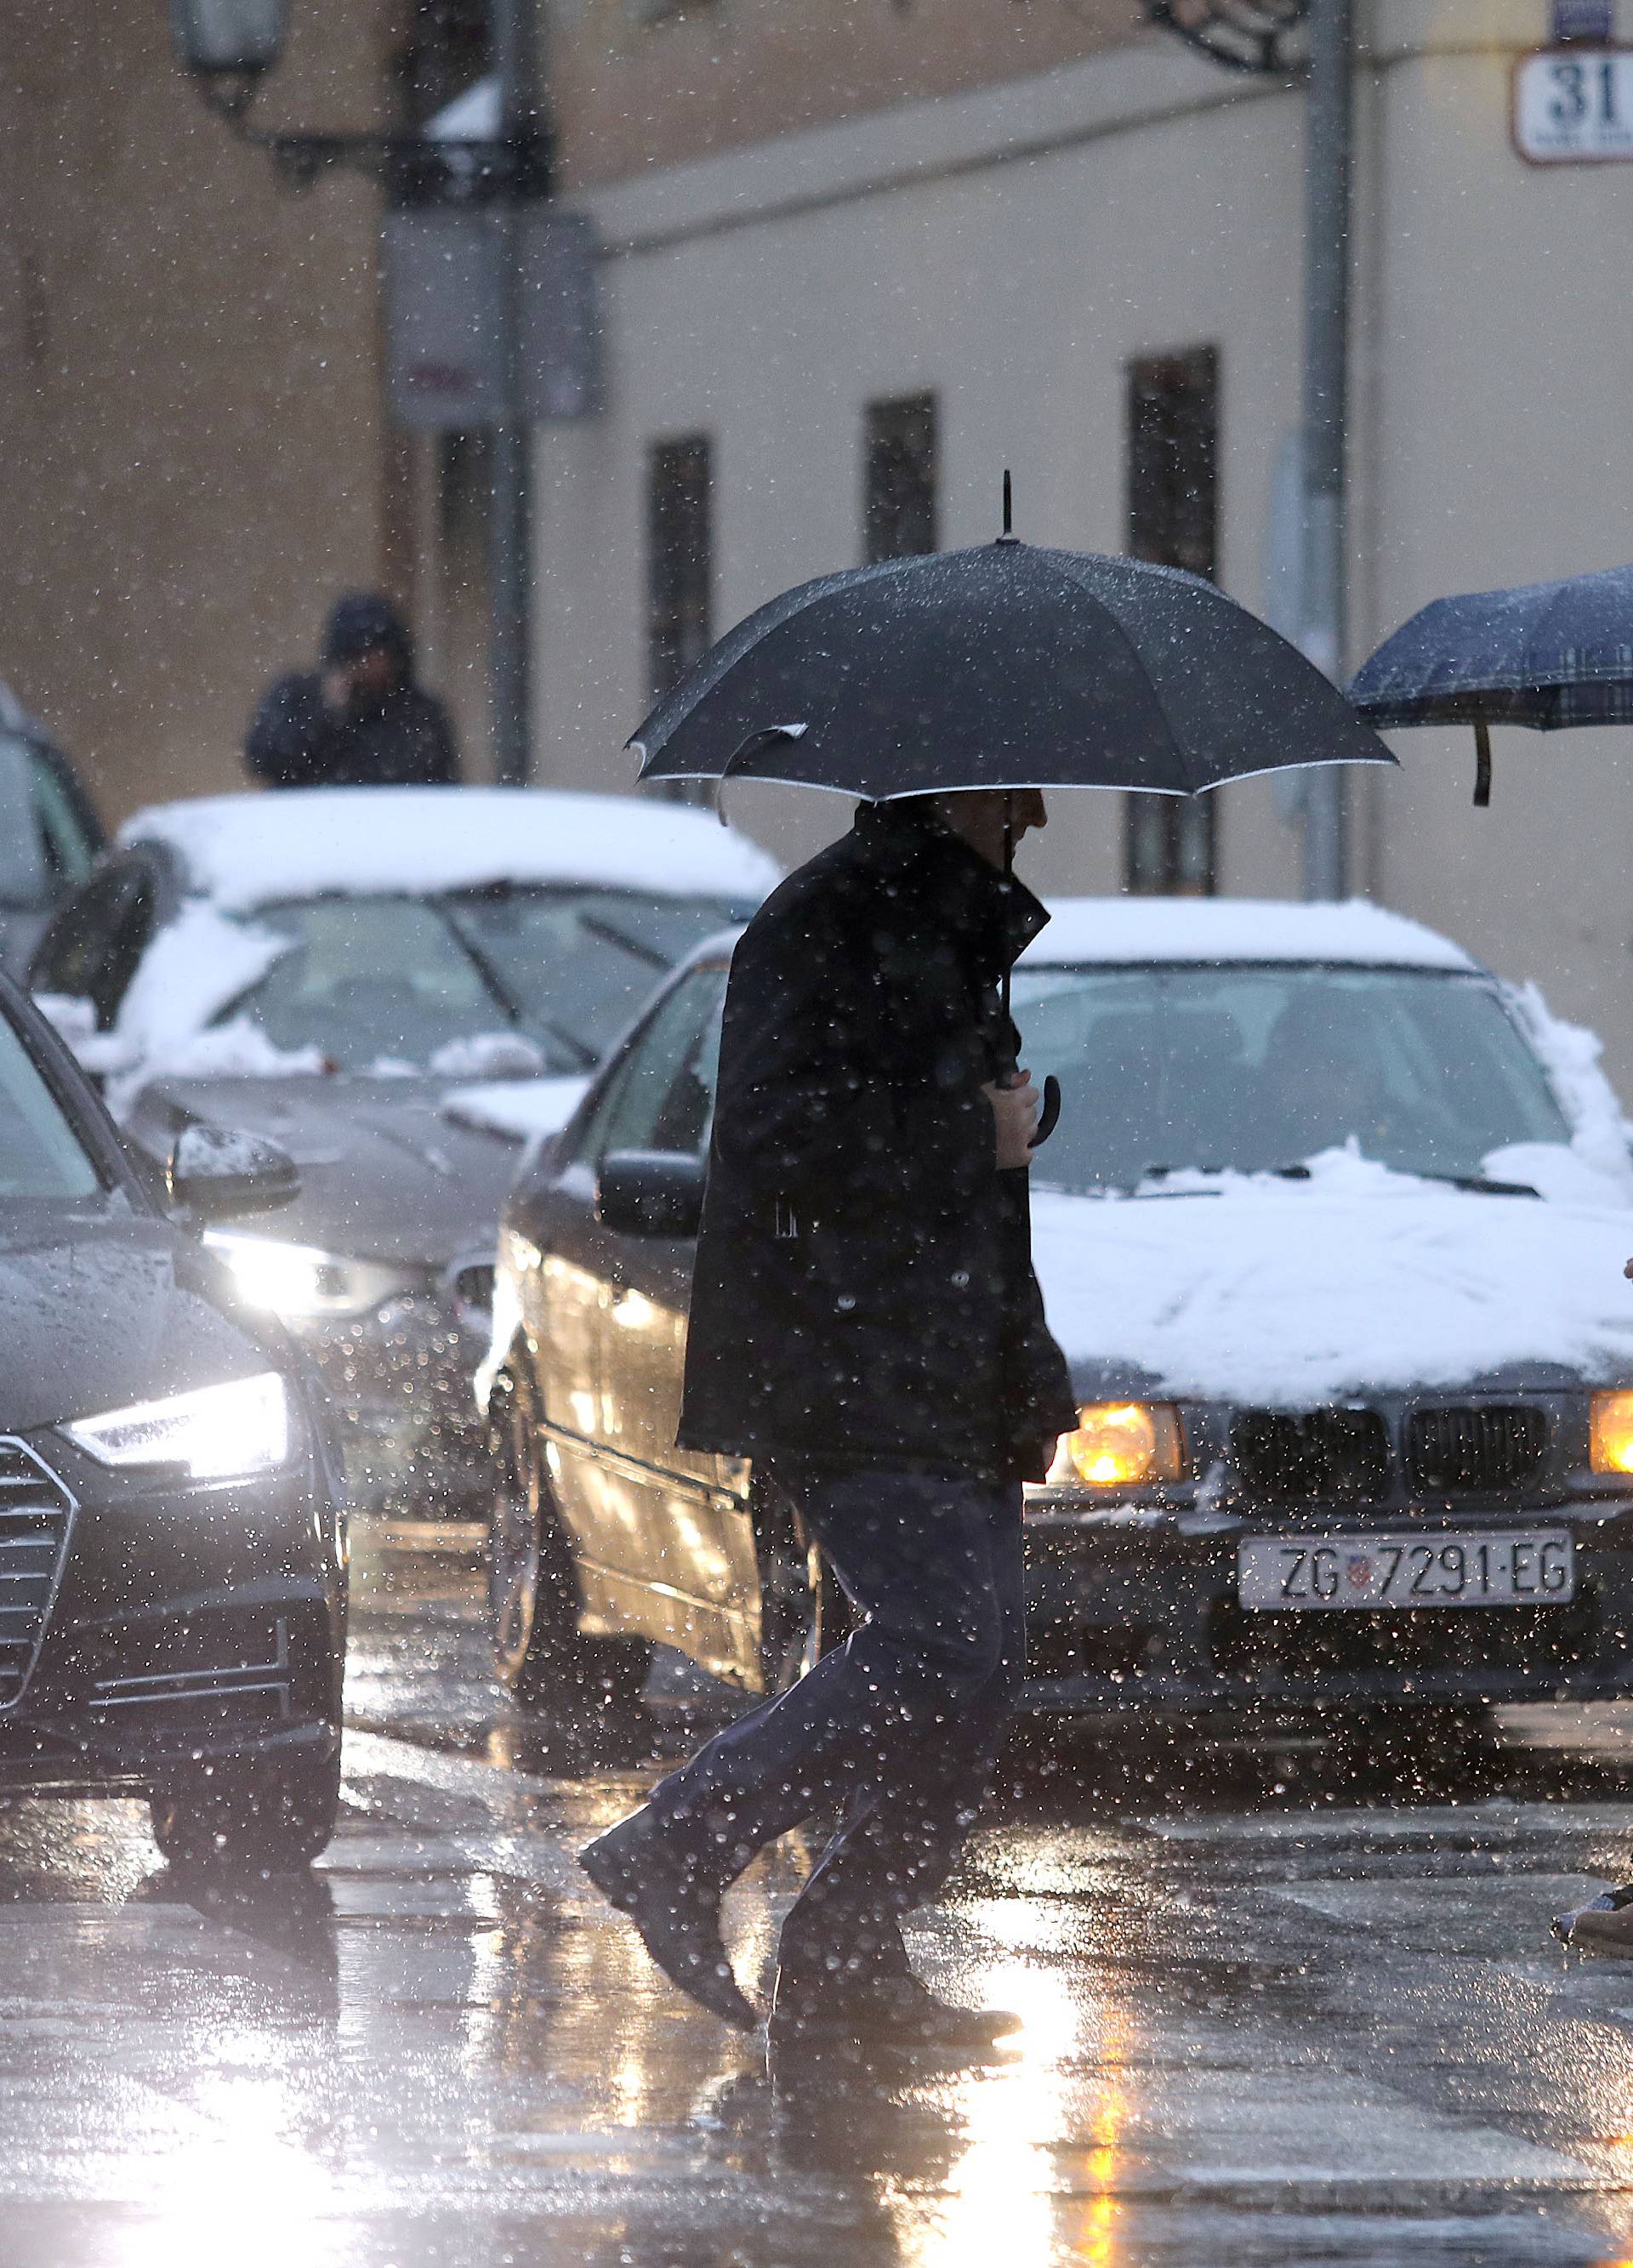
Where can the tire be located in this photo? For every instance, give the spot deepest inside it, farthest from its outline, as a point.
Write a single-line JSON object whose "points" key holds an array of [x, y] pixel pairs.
{"points": [[539, 1652], [803, 1612], [249, 1815]]}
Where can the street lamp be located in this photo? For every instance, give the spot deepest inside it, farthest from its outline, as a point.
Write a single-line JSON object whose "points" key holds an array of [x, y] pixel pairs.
{"points": [[226, 44]]}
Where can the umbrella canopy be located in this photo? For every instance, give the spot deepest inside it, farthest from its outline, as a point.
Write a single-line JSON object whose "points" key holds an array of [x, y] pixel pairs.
{"points": [[1543, 655], [1009, 667]]}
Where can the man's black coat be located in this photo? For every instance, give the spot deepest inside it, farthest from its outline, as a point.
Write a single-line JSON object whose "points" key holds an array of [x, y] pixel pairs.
{"points": [[400, 739], [864, 1288], [297, 740]]}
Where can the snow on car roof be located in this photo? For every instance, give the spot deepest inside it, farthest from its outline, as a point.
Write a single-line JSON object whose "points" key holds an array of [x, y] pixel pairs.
{"points": [[1238, 929], [254, 849]]}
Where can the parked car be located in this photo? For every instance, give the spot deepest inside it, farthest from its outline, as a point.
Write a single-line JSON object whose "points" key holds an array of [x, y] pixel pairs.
{"points": [[172, 1569], [50, 836], [401, 986], [1332, 1231]]}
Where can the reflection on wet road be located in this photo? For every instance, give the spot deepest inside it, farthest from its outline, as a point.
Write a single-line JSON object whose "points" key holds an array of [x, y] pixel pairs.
{"points": [[1277, 2008]]}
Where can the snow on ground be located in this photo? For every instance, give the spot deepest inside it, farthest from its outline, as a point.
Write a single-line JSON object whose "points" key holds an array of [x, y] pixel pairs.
{"points": [[249, 851], [1253, 1289], [521, 1108], [1123, 930]]}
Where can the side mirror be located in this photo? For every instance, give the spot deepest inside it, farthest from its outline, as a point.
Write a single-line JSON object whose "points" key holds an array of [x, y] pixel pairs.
{"points": [[216, 1174], [650, 1193]]}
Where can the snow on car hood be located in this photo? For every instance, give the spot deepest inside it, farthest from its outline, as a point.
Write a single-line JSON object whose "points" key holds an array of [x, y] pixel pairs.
{"points": [[1253, 1289], [521, 1109]]}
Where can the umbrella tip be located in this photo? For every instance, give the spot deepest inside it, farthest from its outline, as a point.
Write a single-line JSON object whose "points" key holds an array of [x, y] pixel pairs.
{"points": [[1008, 536]]}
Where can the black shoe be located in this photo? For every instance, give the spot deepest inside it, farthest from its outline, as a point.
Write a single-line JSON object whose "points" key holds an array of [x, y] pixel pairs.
{"points": [[677, 1913], [894, 2012]]}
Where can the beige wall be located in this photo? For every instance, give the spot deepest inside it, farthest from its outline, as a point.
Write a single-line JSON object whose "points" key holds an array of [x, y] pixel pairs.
{"points": [[1502, 448], [1092, 230], [635, 84], [1011, 246], [190, 453]]}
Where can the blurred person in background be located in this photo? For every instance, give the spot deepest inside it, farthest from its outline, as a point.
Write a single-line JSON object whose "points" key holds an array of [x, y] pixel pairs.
{"points": [[359, 720]]}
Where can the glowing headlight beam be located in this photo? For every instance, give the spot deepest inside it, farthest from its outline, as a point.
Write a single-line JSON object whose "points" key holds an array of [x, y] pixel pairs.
{"points": [[217, 1431], [301, 1280]]}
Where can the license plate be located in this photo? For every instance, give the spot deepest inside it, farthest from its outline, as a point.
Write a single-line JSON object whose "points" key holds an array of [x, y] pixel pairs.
{"points": [[1399, 1571]]}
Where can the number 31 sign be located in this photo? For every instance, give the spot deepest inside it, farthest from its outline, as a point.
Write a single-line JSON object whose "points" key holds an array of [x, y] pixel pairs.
{"points": [[1574, 105]]}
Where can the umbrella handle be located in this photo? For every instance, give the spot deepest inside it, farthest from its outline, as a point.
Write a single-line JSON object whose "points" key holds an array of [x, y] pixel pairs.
{"points": [[1049, 1117]]}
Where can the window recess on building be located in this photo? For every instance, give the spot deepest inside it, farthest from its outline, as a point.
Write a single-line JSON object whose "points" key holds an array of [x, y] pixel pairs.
{"points": [[900, 477], [1171, 845], [680, 558]]}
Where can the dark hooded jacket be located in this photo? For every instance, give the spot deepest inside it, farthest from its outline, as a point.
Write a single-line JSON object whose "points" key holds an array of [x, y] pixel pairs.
{"points": [[402, 740], [863, 1289]]}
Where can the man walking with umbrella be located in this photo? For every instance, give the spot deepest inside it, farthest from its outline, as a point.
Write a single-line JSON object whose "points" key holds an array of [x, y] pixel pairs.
{"points": [[865, 1318], [866, 1323]]}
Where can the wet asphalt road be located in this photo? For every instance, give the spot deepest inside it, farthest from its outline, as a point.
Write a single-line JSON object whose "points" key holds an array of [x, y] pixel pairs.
{"points": [[1280, 2007]]}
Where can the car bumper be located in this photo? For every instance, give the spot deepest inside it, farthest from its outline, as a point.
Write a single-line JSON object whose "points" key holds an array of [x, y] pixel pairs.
{"points": [[1141, 1612], [189, 1623], [399, 1386]]}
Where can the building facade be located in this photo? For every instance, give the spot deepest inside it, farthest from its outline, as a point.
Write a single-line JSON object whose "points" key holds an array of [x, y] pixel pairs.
{"points": [[843, 291], [194, 460]]}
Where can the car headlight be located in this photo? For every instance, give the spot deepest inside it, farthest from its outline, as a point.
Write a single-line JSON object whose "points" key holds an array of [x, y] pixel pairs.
{"points": [[1120, 1445], [239, 1428], [299, 1279], [1611, 1435]]}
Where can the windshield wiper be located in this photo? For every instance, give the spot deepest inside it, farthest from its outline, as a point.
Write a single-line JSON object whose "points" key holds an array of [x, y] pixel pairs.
{"points": [[636, 947], [1480, 1183]]}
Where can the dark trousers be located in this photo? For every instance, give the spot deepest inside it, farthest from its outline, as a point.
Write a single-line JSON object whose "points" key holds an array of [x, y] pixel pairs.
{"points": [[900, 1725]]}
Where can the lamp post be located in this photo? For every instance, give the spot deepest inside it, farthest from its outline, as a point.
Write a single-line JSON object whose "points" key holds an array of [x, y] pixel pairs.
{"points": [[229, 46], [1316, 39]]}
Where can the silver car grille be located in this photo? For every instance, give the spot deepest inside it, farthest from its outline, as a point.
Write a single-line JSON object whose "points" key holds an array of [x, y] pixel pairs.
{"points": [[36, 1513]]}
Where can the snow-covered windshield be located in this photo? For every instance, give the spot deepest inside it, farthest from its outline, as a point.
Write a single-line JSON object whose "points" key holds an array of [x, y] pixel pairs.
{"points": [[400, 980], [1256, 1068]]}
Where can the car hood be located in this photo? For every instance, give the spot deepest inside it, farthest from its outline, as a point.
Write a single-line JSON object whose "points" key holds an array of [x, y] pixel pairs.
{"points": [[386, 1173], [1292, 1294], [101, 1309]]}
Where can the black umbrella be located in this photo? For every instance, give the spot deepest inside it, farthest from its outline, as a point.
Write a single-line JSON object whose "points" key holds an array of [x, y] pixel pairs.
{"points": [[1008, 667], [1544, 654]]}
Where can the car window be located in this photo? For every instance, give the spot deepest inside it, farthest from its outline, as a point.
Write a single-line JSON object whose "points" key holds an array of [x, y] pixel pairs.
{"points": [[40, 1155], [368, 978], [24, 879], [401, 978], [578, 963], [1255, 1068], [663, 1096], [70, 845]]}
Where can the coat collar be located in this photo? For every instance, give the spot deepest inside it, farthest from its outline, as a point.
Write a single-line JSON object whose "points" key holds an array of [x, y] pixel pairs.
{"points": [[954, 884]]}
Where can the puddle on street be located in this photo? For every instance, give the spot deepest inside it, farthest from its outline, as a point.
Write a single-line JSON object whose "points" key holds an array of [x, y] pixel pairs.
{"points": [[1269, 2013]]}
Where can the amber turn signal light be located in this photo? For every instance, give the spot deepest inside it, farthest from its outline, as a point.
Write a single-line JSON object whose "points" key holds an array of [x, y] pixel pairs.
{"points": [[1612, 1439], [1122, 1445]]}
